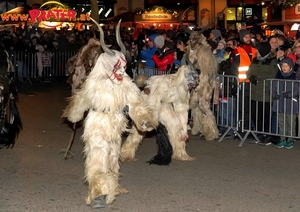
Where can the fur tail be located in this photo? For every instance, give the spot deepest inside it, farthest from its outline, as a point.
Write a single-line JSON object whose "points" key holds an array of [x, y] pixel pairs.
{"points": [[165, 150], [12, 127]]}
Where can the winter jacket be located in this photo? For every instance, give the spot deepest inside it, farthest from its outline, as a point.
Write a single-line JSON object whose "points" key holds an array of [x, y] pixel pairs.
{"points": [[165, 62], [262, 69], [148, 53], [288, 104]]}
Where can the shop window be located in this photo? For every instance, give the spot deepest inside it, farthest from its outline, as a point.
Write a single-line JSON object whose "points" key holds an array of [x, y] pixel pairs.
{"points": [[231, 14], [239, 13], [264, 13]]}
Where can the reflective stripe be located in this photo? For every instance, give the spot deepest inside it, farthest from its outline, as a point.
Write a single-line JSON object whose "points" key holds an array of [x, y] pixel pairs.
{"points": [[243, 68], [242, 76]]}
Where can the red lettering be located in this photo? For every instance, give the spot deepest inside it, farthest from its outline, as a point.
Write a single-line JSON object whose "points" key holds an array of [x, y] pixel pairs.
{"points": [[63, 15], [42, 16], [50, 14], [57, 13], [14, 17], [72, 15], [34, 14], [4, 17], [23, 17]]}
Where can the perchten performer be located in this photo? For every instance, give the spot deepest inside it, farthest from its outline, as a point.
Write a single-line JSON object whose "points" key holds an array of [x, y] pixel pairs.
{"points": [[169, 96], [107, 94], [200, 55]]}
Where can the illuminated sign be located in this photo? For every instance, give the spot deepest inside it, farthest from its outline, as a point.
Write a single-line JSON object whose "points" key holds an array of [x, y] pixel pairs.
{"points": [[156, 16], [57, 13]]}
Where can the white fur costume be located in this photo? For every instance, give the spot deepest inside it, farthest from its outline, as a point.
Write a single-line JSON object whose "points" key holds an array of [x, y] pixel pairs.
{"points": [[169, 97], [105, 93]]}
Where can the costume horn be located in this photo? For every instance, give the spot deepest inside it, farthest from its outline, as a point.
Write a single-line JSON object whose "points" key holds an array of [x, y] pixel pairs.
{"points": [[181, 24], [102, 43], [119, 40]]}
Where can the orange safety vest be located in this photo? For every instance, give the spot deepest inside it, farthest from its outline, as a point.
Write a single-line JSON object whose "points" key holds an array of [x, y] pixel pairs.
{"points": [[245, 63]]}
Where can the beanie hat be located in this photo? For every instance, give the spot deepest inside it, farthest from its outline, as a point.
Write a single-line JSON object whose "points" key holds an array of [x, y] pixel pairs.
{"points": [[159, 40], [243, 33], [287, 60], [223, 42], [263, 48], [216, 33]]}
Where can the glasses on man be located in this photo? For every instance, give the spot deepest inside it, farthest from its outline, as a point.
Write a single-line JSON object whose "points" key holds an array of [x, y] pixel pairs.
{"points": [[229, 44]]}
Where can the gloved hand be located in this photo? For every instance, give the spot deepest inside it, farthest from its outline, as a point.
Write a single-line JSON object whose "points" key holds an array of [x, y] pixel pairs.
{"points": [[286, 94], [276, 96], [253, 79], [157, 52]]}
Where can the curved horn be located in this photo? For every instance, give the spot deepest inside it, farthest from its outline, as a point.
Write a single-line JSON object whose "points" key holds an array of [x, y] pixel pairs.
{"points": [[119, 40], [181, 24], [102, 43], [210, 23]]}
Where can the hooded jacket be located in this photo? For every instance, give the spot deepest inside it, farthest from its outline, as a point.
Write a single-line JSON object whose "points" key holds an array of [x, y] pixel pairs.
{"points": [[148, 53], [285, 104]]}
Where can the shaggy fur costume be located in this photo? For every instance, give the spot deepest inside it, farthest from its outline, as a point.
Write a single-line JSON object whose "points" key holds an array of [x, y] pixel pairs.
{"points": [[10, 121], [169, 97], [80, 65], [200, 54], [105, 93]]}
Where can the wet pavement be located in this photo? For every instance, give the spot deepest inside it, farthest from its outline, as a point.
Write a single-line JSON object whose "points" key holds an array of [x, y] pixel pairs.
{"points": [[34, 177]]}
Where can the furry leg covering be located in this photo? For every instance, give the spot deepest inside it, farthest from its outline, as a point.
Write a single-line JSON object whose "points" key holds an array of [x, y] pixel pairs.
{"points": [[164, 154], [204, 119], [131, 144], [12, 125]]}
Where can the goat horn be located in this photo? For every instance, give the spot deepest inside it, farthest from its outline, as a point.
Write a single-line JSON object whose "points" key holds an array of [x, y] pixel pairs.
{"points": [[102, 43], [119, 40], [181, 24]]}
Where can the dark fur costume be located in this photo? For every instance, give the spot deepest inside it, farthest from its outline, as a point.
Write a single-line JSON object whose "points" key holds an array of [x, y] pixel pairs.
{"points": [[10, 121], [165, 150]]}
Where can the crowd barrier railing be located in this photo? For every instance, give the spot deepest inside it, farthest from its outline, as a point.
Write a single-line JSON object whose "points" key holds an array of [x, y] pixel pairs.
{"points": [[34, 65], [150, 71], [269, 109]]}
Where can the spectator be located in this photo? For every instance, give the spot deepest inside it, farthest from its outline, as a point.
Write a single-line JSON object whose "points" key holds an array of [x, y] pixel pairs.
{"points": [[232, 43], [227, 105], [219, 51], [147, 53], [37, 49], [284, 93], [241, 59], [298, 33], [165, 55], [259, 37], [263, 67], [295, 56], [214, 37]]}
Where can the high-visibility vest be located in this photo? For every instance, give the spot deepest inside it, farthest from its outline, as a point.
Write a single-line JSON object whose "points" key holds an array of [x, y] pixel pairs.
{"points": [[245, 63]]}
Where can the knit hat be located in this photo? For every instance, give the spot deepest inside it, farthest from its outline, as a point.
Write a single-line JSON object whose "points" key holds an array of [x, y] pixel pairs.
{"points": [[287, 60], [159, 40], [263, 48], [223, 42], [243, 33], [216, 33]]}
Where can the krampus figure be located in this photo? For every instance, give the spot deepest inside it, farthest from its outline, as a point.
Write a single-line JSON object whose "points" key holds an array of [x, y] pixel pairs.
{"points": [[10, 121], [200, 55], [108, 94], [80, 65], [169, 96]]}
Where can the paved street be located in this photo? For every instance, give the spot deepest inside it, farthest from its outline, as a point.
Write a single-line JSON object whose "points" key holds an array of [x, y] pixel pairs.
{"points": [[223, 178]]}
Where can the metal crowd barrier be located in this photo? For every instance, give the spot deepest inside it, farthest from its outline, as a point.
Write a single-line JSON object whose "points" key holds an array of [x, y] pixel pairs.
{"points": [[241, 111], [34, 65], [150, 71]]}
